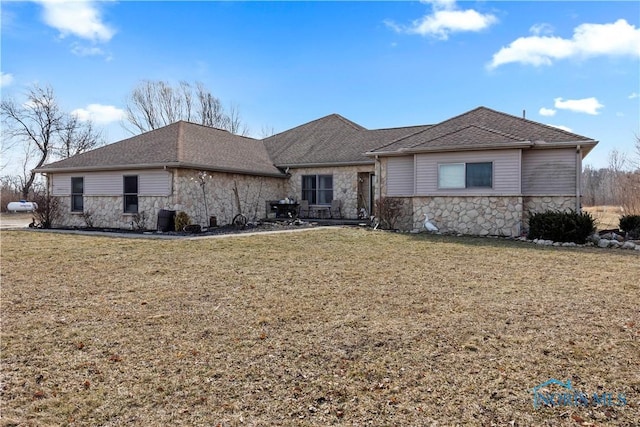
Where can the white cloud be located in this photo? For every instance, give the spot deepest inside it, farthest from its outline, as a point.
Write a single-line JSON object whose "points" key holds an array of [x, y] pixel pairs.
{"points": [[547, 112], [617, 39], [446, 19], [80, 50], [541, 29], [5, 79], [79, 18], [101, 114], [565, 128], [633, 95], [586, 105]]}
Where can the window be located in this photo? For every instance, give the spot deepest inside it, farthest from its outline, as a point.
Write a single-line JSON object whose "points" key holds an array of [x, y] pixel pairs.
{"points": [[317, 189], [131, 194], [465, 175], [77, 194]]}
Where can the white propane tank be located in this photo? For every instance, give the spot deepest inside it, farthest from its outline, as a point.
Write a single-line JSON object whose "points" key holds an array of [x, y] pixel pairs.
{"points": [[22, 206]]}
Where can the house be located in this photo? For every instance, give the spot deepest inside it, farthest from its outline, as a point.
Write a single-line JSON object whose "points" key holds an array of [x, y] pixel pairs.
{"points": [[481, 172]]}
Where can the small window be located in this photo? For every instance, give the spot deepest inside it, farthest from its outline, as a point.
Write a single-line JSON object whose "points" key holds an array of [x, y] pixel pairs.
{"points": [[451, 175], [131, 194], [317, 189], [465, 175], [479, 175], [77, 194]]}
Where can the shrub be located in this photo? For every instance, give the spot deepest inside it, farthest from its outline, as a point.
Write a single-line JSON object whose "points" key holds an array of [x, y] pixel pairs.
{"points": [[630, 224], [388, 211], [182, 220], [48, 211], [139, 221], [561, 226]]}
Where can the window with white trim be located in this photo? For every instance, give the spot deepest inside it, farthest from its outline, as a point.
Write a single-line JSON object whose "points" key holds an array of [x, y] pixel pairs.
{"points": [[130, 190], [77, 194], [317, 189], [465, 175]]}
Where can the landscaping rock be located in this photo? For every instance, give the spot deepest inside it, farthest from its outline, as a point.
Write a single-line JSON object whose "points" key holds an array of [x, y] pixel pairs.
{"points": [[628, 245], [595, 238], [603, 243], [614, 244]]}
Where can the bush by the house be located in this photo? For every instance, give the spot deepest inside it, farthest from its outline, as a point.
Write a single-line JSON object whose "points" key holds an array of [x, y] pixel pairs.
{"points": [[388, 211], [630, 224], [182, 220], [561, 226]]}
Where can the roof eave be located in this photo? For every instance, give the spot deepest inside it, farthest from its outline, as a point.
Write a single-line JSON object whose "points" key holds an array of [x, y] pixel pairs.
{"points": [[168, 165], [324, 164]]}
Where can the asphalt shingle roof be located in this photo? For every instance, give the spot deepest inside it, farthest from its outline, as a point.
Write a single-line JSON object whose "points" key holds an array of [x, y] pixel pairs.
{"points": [[330, 140], [181, 144], [480, 127]]}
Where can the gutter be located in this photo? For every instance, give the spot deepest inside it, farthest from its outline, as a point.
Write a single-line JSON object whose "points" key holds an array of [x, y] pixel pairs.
{"points": [[578, 176], [164, 166]]}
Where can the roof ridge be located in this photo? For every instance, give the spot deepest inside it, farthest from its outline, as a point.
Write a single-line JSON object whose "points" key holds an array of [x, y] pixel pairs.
{"points": [[338, 116], [484, 128], [536, 123], [403, 137]]}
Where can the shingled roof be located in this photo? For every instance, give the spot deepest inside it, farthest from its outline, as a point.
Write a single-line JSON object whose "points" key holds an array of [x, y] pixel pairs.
{"points": [[181, 144], [483, 128], [330, 140]]}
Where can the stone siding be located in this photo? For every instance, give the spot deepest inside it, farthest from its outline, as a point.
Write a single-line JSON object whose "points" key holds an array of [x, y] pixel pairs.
{"points": [[253, 192], [345, 185], [106, 212], [187, 196], [476, 215]]}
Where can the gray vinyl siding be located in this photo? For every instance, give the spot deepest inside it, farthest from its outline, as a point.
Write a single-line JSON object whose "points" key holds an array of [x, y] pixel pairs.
{"points": [[549, 172], [150, 183], [506, 172], [400, 176]]}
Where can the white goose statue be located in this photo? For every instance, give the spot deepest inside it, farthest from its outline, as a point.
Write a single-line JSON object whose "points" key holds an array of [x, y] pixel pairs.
{"points": [[428, 225]]}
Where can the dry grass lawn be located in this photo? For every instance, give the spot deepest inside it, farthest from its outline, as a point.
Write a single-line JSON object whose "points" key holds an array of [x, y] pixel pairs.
{"points": [[331, 327], [607, 217]]}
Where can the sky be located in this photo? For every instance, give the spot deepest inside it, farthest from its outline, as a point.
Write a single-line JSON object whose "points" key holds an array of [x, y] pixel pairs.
{"points": [[575, 65]]}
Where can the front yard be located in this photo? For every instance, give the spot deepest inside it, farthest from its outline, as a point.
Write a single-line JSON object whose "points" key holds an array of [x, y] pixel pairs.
{"points": [[330, 327]]}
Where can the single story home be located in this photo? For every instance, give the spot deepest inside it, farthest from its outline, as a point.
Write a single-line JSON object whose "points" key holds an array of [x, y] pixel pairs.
{"points": [[482, 172]]}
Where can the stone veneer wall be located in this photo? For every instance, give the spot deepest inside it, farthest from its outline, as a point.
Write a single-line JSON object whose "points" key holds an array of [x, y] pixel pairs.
{"points": [[253, 191], [477, 215], [535, 204], [106, 211], [345, 184]]}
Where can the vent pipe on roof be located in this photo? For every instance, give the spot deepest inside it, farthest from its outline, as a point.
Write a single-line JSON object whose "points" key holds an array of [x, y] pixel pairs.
{"points": [[524, 114]]}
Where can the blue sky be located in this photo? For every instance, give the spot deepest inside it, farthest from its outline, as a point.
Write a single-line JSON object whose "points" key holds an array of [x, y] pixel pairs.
{"points": [[380, 64]]}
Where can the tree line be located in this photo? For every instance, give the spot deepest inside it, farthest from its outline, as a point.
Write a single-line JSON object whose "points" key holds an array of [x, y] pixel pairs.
{"points": [[44, 132]]}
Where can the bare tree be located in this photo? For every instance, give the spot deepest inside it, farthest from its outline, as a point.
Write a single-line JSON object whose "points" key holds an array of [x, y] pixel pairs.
{"points": [[44, 131], [155, 103]]}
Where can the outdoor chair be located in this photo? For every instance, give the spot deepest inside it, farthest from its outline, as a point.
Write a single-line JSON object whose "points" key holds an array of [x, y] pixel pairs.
{"points": [[303, 209], [335, 211]]}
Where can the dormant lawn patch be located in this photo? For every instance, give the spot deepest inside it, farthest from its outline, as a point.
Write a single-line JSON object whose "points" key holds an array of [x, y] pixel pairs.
{"points": [[334, 327]]}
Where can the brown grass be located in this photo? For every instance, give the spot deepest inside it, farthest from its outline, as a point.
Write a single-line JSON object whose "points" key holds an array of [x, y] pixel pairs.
{"points": [[607, 217], [333, 327]]}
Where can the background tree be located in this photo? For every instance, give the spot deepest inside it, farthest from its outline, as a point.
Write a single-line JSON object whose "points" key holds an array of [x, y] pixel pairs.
{"points": [[44, 132], [155, 103]]}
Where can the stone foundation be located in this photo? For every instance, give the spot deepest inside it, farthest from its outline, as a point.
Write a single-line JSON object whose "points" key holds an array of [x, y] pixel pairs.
{"points": [[476, 215], [106, 212]]}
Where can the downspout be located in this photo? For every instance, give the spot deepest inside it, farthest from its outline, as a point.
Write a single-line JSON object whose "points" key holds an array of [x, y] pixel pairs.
{"points": [[578, 177]]}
